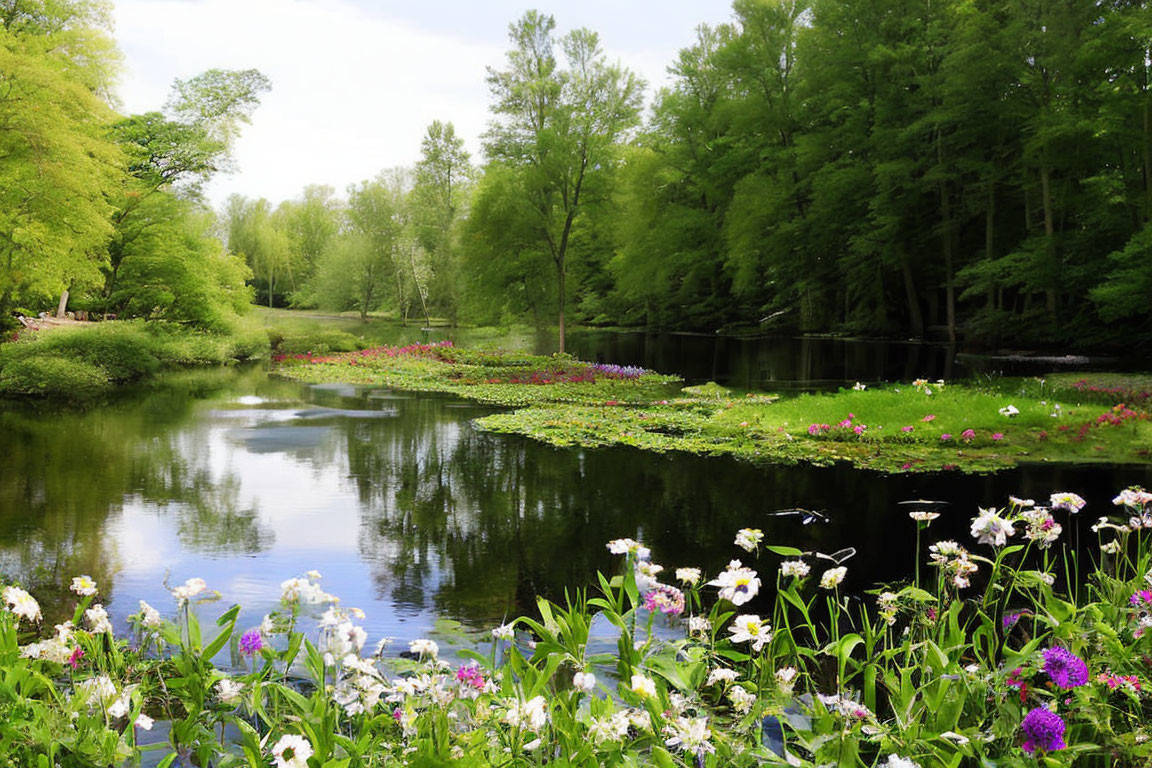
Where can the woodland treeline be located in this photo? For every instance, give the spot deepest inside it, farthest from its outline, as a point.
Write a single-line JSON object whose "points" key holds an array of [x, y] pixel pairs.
{"points": [[978, 169]]}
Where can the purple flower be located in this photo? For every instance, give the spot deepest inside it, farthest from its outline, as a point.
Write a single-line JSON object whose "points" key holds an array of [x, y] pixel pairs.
{"points": [[668, 600], [906, 429], [968, 435], [251, 642], [1065, 668], [1143, 596], [1043, 730], [945, 437], [470, 674], [1010, 619], [997, 435]]}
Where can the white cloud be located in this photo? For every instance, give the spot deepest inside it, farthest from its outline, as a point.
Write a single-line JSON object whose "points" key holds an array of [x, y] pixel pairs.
{"points": [[352, 89]]}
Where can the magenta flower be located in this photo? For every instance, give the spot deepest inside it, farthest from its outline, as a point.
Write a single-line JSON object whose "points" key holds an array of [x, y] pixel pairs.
{"points": [[906, 429], [1143, 596], [813, 429], [997, 435], [471, 674], [1043, 730], [251, 642], [929, 417], [1065, 668], [968, 435], [945, 437], [859, 429], [666, 599], [74, 659], [845, 424]]}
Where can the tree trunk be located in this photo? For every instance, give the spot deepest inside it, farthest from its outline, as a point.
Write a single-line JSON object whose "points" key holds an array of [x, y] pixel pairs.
{"points": [[1049, 237], [560, 275], [62, 307], [946, 238], [989, 236]]}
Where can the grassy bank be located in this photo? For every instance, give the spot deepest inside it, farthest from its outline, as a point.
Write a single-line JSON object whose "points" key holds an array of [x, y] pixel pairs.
{"points": [[921, 426], [84, 360]]}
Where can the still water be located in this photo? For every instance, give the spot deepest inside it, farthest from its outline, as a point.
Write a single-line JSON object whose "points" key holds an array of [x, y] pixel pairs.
{"points": [[408, 511]]}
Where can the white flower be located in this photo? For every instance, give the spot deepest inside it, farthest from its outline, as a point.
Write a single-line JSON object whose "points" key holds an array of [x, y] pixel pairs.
{"points": [[99, 692], [990, 528], [48, 650], [721, 675], [923, 516], [895, 761], [1136, 498], [584, 681], [424, 648], [886, 602], [229, 690], [120, 707], [1110, 548], [143, 722], [1066, 500], [689, 734], [83, 585], [1042, 527], [748, 628], [303, 591], [313, 574], [504, 632], [797, 569], [531, 714], [689, 576], [956, 737], [640, 719], [533, 745], [267, 626], [623, 546], [833, 577], [786, 678], [859, 387], [646, 572], [699, 625], [96, 618], [741, 699], [1016, 501], [149, 616], [292, 751], [737, 584], [189, 590], [1009, 411], [643, 686], [22, 604], [613, 728], [749, 538]]}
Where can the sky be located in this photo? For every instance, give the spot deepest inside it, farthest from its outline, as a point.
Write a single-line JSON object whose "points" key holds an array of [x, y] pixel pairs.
{"points": [[356, 82]]}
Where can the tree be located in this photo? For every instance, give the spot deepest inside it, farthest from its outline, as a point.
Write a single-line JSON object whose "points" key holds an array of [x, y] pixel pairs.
{"points": [[439, 196], [558, 127]]}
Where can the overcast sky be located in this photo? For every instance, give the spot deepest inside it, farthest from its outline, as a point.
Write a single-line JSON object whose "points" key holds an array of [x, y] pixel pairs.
{"points": [[355, 82]]}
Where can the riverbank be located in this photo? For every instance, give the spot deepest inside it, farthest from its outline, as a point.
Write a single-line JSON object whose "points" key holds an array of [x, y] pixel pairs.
{"points": [[915, 427]]}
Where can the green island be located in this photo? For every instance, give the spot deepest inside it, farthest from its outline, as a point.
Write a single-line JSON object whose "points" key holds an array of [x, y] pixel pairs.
{"points": [[918, 426]]}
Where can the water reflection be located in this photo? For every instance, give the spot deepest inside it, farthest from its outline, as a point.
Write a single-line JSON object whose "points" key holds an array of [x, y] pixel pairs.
{"points": [[409, 512]]}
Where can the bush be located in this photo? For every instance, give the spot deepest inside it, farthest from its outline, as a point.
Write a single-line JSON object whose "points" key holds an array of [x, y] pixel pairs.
{"points": [[124, 351], [53, 376], [318, 342]]}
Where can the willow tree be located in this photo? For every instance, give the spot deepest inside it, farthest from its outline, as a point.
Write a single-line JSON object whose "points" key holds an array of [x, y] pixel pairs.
{"points": [[558, 127]]}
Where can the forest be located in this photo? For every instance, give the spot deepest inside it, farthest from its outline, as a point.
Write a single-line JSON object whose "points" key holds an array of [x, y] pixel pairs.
{"points": [[973, 170]]}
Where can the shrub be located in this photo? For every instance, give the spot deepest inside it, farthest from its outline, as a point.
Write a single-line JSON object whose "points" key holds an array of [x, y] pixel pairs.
{"points": [[53, 376], [315, 341], [124, 351]]}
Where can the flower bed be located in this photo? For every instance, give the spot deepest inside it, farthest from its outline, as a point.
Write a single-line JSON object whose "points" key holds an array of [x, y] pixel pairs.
{"points": [[1015, 653]]}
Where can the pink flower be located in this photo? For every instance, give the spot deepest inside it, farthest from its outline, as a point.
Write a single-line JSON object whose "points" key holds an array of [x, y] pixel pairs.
{"points": [[906, 429], [929, 417], [813, 429], [859, 429], [845, 424], [968, 435], [997, 435], [945, 437]]}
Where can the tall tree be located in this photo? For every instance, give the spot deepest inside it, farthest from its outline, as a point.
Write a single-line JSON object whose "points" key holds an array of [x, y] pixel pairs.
{"points": [[558, 127], [439, 196]]}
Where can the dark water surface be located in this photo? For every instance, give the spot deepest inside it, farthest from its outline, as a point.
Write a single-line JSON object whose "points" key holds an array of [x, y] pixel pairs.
{"points": [[412, 514]]}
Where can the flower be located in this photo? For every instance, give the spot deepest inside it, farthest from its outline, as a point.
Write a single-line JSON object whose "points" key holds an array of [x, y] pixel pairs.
{"points": [[721, 675], [945, 437], [737, 584], [786, 678], [699, 625], [584, 681], [895, 761], [923, 516], [832, 577], [96, 618], [748, 628], [990, 528], [143, 722], [190, 589], [22, 604], [749, 538], [689, 576], [1136, 498], [229, 690], [968, 435], [1065, 668], [292, 751], [613, 728], [424, 647], [149, 616], [1043, 731], [531, 714], [251, 642], [83, 585], [643, 686], [886, 602], [303, 591], [1010, 411], [997, 435], [646, 573], [907, 428], [1042, 527], [929, 417], [797, 569], [689, 735], [668, 600], [741, 699], [504, 632], [1066, 500], [859, 387], [625, 547]]}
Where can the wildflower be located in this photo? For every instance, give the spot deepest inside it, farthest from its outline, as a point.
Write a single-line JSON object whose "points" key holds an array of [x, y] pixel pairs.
{"points": [[690, 735], [886, 602], [1009, 411], [1043, 731], [968, 435], [143, 722], [895, 761], [997, 436], [749, 539], [646, 573], [859, 387], [721, 675], [1065, 668], [958, 738], [859, 429], [929, 417], [953, 559], [990, 528], [786, 678], [74, 657], [668, 600], [797, 569], [748, 628], [1110, 548], [251, 642], [1130, 683], [613, 728], [1042, 527], [1143, 596], [531, 714], [424, 648], [1068, 501], [96, 619], [229, 690], [699, 625], [584, 681], [292, 751], [1135, 497], [741, 699], [1010, 619], [470, 674], [689, 576], [833, 577], [189, 590], [22, 604], [643, 686], [737, 584], [906, 428], [303, 591], [504, 632], [623, 546], [923, 516], [945, 437], [813, 429], [149, 616], [84, 586]]}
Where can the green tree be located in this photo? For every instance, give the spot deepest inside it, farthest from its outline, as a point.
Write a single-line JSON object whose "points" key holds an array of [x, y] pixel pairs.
{"points": [[439, 196], [558, 127]]}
